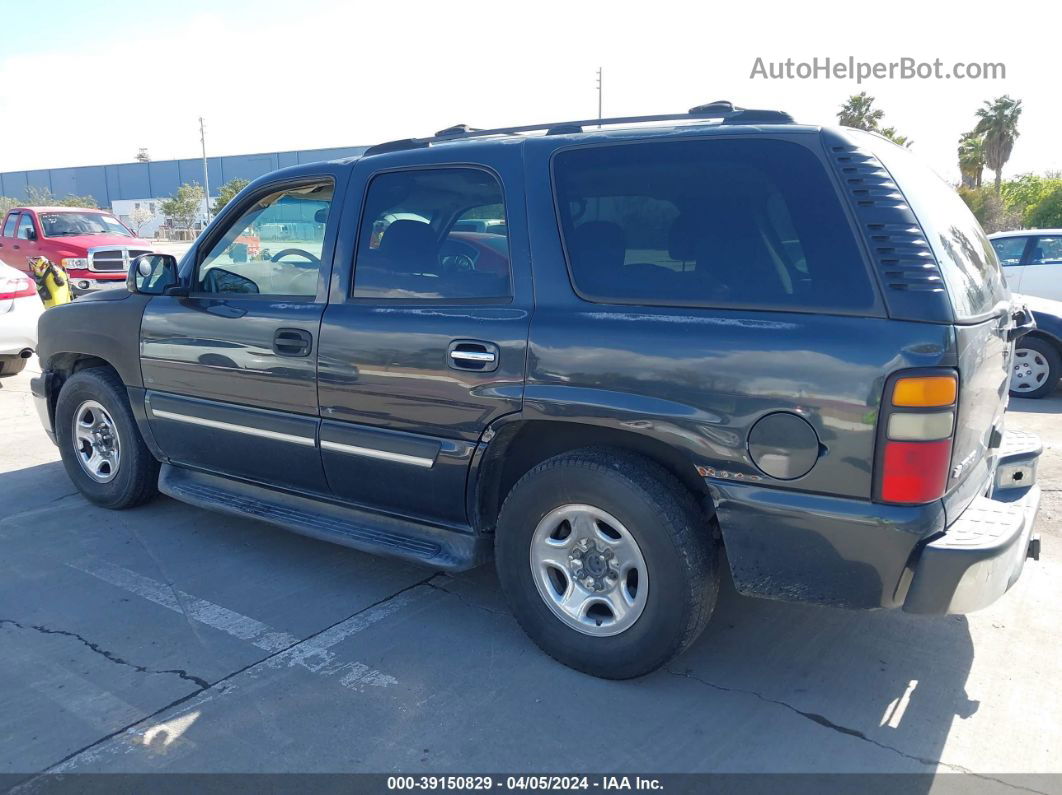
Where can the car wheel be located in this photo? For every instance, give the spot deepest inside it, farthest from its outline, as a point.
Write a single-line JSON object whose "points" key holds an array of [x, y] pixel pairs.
{"points": [[607, 562], [100, 444], [1036, 369], [11, 365]]}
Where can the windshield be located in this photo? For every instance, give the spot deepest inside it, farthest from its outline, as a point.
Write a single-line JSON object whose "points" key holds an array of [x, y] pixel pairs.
{"points": [[65, 224]]}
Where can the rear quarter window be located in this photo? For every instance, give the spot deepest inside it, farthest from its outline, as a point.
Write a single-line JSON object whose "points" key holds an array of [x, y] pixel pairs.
{"points": [[968, 262], [715, 223]]}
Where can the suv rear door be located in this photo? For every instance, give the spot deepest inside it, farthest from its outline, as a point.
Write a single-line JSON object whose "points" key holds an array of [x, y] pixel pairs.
{"points": [[231, 368], [424, 339]]}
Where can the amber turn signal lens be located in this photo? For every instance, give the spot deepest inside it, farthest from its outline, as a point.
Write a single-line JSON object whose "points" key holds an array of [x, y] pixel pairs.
{"points": [[934, 390]]}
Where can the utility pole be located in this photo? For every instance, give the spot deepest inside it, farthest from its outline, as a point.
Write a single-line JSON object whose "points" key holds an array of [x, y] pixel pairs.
{"points": [[599, 83], [206, 173]]}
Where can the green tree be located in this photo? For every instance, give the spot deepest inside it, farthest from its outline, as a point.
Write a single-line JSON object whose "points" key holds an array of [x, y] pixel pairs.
{"points": [[228, 191], [859, 112], [43, 197], [895, 137], [971, 159], [185, 207], [1025, 192], [998, 124], [1047, 214], [990, 210], [7, 202]]}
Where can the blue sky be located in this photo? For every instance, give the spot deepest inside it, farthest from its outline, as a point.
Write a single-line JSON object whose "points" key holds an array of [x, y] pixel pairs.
{"points": [[107, 78]]}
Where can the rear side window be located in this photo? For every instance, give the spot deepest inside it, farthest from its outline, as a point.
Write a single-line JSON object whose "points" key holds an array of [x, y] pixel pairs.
{"points": [[742, 223], [1009, 250], [1047, 251], [435, 234], [966, 257]]}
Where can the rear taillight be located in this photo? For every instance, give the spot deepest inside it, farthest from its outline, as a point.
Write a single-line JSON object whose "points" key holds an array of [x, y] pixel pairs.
{"points": [[15, 287], [917, 426]]}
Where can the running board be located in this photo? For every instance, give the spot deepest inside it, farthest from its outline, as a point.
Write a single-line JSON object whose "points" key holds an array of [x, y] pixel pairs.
{"points": [[438, 547]]}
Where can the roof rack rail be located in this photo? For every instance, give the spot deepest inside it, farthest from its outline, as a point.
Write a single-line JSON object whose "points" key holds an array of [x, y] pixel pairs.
{"points": [[725, 111]]}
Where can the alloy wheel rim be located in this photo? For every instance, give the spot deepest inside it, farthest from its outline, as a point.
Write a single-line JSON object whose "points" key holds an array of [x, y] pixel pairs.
{"points": [[1030, 370], [589, 570], [96, 442]]}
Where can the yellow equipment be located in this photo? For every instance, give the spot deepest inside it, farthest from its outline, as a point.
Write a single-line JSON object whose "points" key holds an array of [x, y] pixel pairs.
{"points": [[53, 284]]}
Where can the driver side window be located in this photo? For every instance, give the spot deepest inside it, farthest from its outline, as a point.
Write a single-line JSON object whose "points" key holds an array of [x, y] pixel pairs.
{"points": [[273, 248]]}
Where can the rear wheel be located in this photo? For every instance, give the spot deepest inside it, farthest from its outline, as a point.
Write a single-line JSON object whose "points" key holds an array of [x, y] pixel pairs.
{"points": [[607, 562], [1036, 369], [12, 365], [100, 444]]}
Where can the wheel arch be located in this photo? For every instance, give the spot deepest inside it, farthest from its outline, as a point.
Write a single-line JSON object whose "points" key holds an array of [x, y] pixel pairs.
{"points": [[514, 445], [1040, 334]]}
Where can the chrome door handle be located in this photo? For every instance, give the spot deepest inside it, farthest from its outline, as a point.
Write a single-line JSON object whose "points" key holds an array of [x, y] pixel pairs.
{"points": [[473, 355]]}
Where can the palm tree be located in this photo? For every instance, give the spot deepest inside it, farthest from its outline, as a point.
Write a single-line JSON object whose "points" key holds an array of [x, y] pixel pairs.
{"points": [[859, 112], [971, 159], [998, 123], [896, 138]]}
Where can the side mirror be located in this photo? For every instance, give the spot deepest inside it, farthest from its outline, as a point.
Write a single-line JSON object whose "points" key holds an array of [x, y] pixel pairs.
{"points": [[31, 233], [153, 274]]}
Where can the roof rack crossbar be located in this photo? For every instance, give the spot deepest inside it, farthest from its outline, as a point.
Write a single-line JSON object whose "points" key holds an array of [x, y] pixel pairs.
{"points": [[724, 111]]}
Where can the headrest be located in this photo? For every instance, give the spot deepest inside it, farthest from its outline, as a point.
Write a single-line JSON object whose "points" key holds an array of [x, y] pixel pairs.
{"points": [[408, 240]]}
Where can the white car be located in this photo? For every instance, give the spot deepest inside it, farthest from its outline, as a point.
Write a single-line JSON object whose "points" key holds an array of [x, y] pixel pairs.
{"points": [[1031, 260], [20, 308]]}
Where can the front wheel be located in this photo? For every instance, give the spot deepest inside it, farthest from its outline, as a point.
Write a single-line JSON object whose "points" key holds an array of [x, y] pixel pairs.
{"points": [[100, 444], [607, 562]]}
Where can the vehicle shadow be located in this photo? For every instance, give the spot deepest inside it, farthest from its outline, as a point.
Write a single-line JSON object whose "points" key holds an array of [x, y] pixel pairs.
{"points": [[891, 682], [1052, 404]]}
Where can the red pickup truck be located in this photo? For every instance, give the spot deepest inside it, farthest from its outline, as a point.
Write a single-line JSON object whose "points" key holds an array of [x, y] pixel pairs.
{"points": [[92, 245]]}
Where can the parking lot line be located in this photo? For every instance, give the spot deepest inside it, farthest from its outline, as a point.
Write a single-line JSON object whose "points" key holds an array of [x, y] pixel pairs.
{"points": [[68, 690], [236, 624], [313, 654]]}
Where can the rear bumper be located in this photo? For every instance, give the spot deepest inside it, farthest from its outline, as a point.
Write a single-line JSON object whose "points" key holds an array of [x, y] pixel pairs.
{"points": [[982, 553], [18, 325]]}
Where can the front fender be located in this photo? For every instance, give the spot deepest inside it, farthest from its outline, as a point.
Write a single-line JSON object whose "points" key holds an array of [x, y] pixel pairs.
{"points": [[105, 325]]}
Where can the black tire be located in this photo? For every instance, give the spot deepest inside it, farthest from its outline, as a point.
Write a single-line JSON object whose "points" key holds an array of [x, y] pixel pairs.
{"points": [[11, 365], [1042, 353], [137, 476], [674, 537]]}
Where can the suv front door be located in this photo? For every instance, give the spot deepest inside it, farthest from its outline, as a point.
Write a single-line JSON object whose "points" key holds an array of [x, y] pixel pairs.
{"points": [[423, 344], [230, 369]]}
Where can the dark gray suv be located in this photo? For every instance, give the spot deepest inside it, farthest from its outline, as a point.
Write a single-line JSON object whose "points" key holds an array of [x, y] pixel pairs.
{"points": [[701, 340]]}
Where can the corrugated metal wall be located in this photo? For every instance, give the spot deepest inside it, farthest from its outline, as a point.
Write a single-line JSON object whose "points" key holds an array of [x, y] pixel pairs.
{"points": [[160, 178]]}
